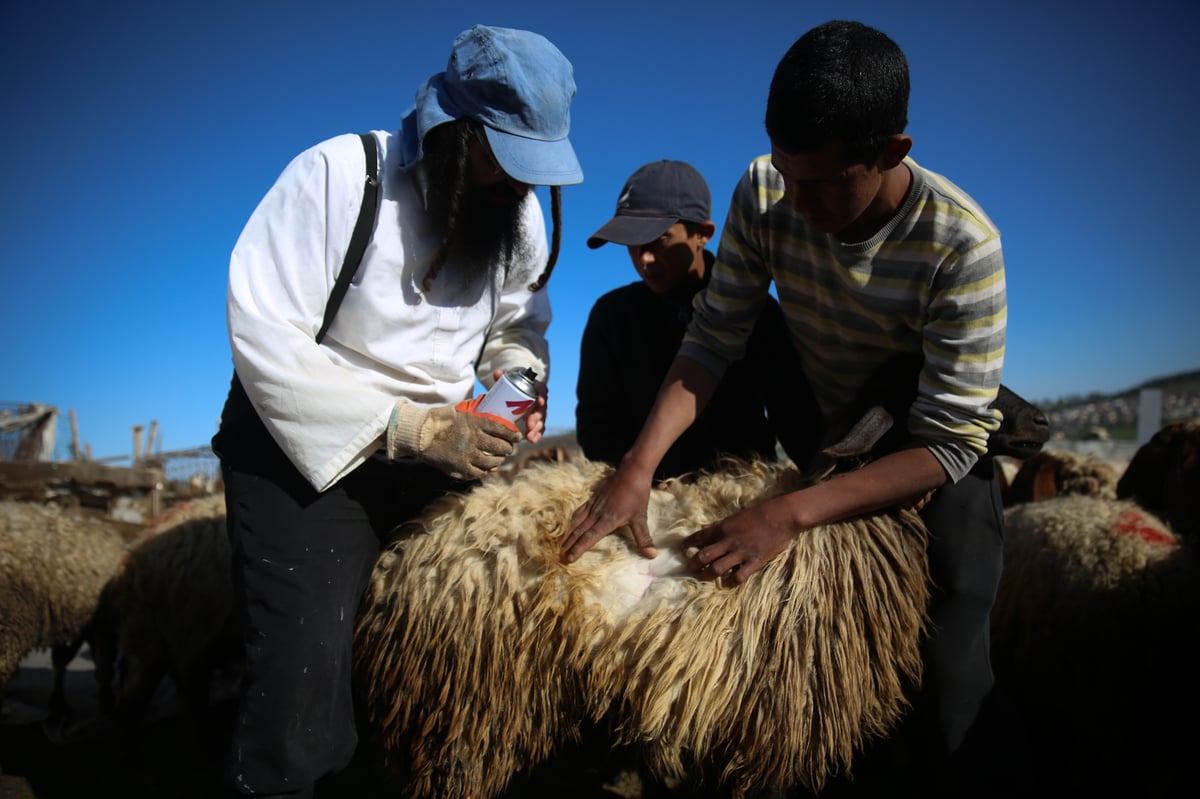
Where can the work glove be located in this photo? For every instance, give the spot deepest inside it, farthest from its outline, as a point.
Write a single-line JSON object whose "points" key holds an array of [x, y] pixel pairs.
{"points": [[451, 439]]}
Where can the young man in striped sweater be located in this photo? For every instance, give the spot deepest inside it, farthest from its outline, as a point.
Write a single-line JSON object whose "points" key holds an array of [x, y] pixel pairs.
{"points": [[873, 258]]}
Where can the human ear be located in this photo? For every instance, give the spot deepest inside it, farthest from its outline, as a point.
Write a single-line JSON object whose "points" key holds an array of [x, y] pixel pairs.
{"points": [[895, 151], [707, 230]]}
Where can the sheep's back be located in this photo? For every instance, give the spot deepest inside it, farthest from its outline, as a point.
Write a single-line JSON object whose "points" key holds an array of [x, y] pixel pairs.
{"points": [[779, 680], [1093, 626], [175, 592], [54, 563]]}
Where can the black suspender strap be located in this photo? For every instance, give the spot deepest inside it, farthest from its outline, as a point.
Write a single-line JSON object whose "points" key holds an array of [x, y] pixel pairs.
{"points": [[361, 235]]}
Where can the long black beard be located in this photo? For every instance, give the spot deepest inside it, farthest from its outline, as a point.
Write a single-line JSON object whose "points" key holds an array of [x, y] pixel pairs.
{"points": [[489, 231], [482, 225]]}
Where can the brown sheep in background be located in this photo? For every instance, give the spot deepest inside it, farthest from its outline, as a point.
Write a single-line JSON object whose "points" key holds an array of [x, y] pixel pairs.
{"points": [[479, 654], [1057, 472], [1164, 477], [54, 564], [171, 606]]}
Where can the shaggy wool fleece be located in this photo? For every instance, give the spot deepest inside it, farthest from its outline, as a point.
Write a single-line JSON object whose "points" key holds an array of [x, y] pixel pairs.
{"points": [[1093, 630], [54, 562], [480, 654]]}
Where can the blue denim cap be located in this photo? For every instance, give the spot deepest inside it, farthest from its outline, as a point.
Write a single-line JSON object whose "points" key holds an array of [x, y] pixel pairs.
{"points": [[520, 87], [655, 197]]}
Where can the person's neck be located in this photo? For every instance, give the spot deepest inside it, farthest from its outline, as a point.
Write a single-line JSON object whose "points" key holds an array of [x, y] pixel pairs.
{"points": [[893, 189]]}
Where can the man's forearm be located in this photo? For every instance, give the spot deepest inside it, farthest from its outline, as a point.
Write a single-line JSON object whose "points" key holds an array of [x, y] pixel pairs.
{"points": [[892, 480]]}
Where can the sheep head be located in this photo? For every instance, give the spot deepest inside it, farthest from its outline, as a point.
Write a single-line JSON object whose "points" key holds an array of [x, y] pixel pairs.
{"points": [[1164, 477], [872, 431]]}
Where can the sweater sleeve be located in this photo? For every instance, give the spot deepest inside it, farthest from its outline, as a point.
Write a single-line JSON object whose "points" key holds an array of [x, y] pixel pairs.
{"points": [[725, 311], [964, 342]]}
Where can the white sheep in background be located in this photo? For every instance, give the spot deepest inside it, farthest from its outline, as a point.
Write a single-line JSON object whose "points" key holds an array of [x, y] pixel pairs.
{"points": [[1094, 628], [54, 564], [479, 654], [171, 608]]}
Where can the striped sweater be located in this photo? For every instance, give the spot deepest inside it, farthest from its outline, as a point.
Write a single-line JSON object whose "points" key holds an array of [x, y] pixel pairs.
{"points": [[929, 283]]}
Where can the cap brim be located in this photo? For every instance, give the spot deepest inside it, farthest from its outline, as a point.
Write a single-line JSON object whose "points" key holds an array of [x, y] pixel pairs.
{"points": [[630, 230], [533, 161]]}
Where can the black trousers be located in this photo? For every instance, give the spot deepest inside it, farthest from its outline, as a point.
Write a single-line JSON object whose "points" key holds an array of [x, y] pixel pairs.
{"points": [[966, 555], [960, 738], [301, 562]]}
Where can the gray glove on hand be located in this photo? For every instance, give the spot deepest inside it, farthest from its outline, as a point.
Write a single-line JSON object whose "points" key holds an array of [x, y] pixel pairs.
{"points": [[458, 443]]}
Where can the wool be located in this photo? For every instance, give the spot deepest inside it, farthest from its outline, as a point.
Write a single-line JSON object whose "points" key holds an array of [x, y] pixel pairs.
{"points": [[54, 564], [1093, 627], [480, 654], [171, 610], [1055, 472]]}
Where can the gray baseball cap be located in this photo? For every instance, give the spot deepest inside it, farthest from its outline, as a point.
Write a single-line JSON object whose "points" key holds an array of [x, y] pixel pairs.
{"points": [[655, 197]]}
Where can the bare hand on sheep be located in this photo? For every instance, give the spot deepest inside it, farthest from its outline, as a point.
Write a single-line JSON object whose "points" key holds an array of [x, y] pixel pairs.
{"points": [[622, 500], [458, 443], [735, 548]]}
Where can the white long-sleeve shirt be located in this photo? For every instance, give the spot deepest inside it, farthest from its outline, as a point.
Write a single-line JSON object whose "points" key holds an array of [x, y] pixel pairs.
{"points": [[327, 405]]}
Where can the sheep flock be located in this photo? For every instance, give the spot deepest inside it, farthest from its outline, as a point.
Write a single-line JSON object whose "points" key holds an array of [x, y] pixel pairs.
{"points": [[479, 656]]}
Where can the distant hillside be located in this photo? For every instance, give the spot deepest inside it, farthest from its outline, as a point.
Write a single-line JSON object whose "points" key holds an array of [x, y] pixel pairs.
{"points": [[1116, 414], [1181, 383]]}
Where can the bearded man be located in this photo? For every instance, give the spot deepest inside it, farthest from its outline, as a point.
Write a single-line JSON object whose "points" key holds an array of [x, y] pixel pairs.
{"points": [[328, 442]]}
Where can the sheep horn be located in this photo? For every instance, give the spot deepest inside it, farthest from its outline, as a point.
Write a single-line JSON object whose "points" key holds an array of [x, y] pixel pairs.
{"points": [[864, 435]]}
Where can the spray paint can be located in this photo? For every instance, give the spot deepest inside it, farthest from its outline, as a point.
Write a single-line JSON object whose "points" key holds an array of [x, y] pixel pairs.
{"points": [[512, 397]]}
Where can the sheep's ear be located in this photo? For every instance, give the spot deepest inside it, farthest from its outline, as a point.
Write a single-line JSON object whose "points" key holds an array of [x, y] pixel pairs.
{"points": [[1045, 481], [865, 434]]}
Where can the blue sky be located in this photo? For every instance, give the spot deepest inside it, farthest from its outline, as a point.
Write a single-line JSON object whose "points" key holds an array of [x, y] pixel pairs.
{"points": [[139, 136]]}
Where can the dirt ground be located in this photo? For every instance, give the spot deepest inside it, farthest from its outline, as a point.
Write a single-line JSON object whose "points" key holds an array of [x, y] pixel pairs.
{"points": [[81, 756]]}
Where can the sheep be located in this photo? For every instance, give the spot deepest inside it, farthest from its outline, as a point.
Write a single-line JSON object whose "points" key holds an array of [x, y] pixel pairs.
{"points": [[54, 564], [1093, 629], [172, 608], [1101, 592], [887, 396], [1055, 472], [1163, 476], [478, 654], [545, 452], [1024, 428]]}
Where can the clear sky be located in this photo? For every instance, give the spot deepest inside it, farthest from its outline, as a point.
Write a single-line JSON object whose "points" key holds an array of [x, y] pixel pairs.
{"points": [[137, 137]]}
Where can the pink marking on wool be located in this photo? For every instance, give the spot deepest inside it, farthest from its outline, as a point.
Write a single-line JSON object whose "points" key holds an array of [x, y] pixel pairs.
{"points": [[1133, 523]]}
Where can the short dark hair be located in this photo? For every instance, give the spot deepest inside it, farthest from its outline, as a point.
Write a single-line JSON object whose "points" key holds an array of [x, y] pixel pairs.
{"points": [[842, 82]]}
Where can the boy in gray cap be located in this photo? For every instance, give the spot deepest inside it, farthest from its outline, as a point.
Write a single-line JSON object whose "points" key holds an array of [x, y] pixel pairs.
{"points": [[333, 434], [663, 217]]}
